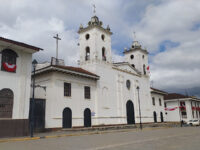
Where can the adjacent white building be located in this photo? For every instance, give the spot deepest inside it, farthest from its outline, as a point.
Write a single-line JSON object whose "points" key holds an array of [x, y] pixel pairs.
{"points": [[181, 107], [99, 92], [15, 81], [158, 105]]}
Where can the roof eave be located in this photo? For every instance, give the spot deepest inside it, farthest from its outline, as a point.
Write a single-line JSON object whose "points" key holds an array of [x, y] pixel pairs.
{"points": [[176, 99], [157, 92], [131, 50], [93, 26], [20, 44], [52, 68]]}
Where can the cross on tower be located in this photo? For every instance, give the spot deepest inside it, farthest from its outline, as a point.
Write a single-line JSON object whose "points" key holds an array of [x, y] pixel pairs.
{"points": [[94, 10], [57, 38]]}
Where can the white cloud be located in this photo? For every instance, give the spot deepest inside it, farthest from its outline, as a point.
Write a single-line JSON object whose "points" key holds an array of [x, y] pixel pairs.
{"points": [[116, 57], [173, 21], [36, 22]]}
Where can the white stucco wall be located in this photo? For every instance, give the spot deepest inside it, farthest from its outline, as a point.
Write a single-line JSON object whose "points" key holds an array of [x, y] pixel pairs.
{"points": [[175, 115], [115, 81], [138, 59], [157, 108], [109, 94], [19, 83], [112, 108], [96, 44], [56, 101]]}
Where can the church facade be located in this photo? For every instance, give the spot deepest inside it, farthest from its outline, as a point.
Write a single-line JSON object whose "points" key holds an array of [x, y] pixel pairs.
{"points": [[15, 81], [98, 92]]}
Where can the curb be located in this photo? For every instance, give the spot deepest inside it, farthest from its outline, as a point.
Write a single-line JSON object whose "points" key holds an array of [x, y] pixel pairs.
{"points": [[78, 134]]}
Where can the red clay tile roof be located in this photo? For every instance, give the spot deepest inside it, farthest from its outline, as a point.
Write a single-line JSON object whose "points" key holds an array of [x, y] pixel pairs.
{"points": [[20, 44], [75, 69], [67, 68], [157, 90], [175, 96]]}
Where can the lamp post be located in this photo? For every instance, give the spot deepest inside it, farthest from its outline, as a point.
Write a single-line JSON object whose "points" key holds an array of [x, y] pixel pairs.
{"points": [[34, 63], [138, 89]]}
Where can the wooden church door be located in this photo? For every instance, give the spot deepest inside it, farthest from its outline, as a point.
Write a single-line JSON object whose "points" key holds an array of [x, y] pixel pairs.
{"points": [[87, 118], [130, 112], [67, 118], [155, 116]]}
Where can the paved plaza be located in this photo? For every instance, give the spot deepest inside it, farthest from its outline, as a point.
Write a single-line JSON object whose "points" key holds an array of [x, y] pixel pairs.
{"points": [[186, 138]]}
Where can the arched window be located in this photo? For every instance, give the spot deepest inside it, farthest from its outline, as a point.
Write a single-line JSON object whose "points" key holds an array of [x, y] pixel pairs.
{"points": [[87, 53], [160, 102], [104, 54], [143, 56], [128, 84], [132, 56], [87, 36], [103, 37], [144, 69], [6, 103], [9, 60]]}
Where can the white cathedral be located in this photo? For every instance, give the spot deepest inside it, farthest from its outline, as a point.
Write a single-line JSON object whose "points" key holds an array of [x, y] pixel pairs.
{"points": [[98, 92]]}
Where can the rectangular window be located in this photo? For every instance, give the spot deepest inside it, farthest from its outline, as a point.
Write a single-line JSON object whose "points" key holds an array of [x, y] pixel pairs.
{"points": [[153, 101], [184, 114], [67, 89], [87, 92], [160, 102], [165, 105]]}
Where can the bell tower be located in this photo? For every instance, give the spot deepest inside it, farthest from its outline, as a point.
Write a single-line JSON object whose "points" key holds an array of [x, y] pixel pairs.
{"points": [[95, 42], [137, 57]]}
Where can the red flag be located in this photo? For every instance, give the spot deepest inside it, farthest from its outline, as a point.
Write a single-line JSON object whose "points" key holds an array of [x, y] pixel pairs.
{"points": [[171, 109], [148, 68]]}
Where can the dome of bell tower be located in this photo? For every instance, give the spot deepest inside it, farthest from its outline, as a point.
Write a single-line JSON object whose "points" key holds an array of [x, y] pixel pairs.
{"points": [[95, 21]]}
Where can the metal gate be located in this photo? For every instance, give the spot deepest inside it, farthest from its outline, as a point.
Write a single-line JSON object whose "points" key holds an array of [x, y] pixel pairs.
{"points": [[6, 103], [39, 113]]}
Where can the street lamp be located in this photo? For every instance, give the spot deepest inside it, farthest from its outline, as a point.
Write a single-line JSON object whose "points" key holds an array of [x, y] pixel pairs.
{"points": [[34, 64], [138, 89]]}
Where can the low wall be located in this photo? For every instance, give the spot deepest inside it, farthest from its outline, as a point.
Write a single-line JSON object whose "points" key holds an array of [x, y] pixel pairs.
{"points": [[14, 127], [119, 126]]}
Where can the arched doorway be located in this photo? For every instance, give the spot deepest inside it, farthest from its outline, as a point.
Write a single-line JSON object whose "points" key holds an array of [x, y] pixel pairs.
{"points": [[6, 103], [67, 118], [130, 112], [161, 117], [87, 117], [155, 116]]}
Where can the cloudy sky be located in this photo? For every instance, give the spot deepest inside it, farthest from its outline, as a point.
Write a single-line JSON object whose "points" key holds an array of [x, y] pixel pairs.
{"points": [[169, 29]]}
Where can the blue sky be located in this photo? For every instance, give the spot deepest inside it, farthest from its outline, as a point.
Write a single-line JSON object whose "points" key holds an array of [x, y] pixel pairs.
{"points": [[169, 29]]}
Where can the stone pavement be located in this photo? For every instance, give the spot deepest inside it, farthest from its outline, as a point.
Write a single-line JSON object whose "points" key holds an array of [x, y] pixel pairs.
{"points": [[186, 138]]}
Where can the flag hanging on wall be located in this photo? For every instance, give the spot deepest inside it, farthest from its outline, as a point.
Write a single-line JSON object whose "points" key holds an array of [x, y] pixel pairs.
{"points": [[171, 109]]}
